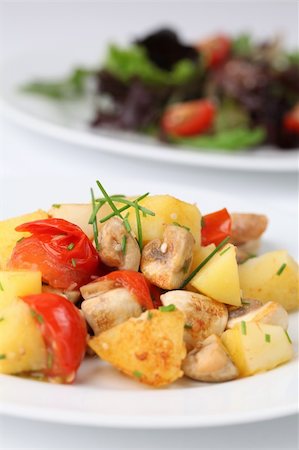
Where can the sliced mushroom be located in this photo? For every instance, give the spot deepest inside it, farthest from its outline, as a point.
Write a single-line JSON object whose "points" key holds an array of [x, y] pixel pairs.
{"points": [[166, 263], [271, 313], [118, 248], [248, 304], [203, 315], [109, 308], [247, 227], [210, 362], [72, 296]]}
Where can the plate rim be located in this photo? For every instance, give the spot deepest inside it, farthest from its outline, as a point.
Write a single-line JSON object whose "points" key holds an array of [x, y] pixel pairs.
{"points": [[10, 406]]}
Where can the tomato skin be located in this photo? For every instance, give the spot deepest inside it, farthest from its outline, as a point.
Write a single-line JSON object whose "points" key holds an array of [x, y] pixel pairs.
{"points": [[134, 282], [64, 331], [47, 250], [215, 50], [291, 120], [216, 227], [189, 118]]}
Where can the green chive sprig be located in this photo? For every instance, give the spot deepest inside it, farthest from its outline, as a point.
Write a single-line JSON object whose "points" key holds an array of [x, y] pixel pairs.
{"points": [[93, 219]]}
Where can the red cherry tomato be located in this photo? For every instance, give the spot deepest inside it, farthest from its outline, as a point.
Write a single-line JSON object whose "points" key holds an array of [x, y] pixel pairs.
{"points": [[189, 118], [291, 120], [136, 283], [215, 227], [215, 50], [60, 250], [64, 331]]}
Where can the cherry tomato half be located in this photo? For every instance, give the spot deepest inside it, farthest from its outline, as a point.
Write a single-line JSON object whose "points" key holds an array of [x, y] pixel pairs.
{"points": [[137, 284], [215, 227], [215, 50], [60, 250], [291, 120], [64, 331], [189, 118]]}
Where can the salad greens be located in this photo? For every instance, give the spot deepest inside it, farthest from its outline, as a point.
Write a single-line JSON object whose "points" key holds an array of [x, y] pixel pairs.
{"points": [[234, 139], [134, 62], [226, 93]]}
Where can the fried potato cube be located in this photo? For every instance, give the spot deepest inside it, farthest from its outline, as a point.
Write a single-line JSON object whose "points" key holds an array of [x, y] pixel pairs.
{"points": [[257, 347], [272, 276], [22, 348], [9, 236], [18, 283], [219, 278], [149, 348]]}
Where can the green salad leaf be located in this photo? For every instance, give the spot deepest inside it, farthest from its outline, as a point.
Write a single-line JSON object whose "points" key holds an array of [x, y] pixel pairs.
{"points": [[242, 46], [228, 140], [133, 62], [293, 58], [68, 88], [230, 115]]}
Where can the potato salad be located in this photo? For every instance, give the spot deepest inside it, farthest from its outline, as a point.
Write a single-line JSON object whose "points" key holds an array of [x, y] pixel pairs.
{"points": [[147, 284]]}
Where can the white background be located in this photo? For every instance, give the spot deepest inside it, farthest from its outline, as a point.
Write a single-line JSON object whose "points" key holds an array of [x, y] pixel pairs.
{"points": [[82, 28]]}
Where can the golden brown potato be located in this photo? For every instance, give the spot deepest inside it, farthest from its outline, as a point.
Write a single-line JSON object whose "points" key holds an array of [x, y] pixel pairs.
{"points": [[149, 348]]}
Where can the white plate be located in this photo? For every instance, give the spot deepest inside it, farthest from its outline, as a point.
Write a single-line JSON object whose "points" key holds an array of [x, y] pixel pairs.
{"points": [[103, 397], [68, 122]]}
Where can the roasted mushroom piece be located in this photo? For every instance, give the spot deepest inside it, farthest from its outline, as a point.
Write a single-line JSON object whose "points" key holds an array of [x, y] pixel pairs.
{"points": [[271, 313], [210, 362], [246, 232], [204, 316], [72, 296], [106, 305], [117, 247], [166, 263]]}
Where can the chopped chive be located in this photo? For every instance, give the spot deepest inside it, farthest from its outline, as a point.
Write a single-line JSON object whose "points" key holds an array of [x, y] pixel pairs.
{"points": [[188, 326], [71, 246], [281, 269], [56, 205], [181, 226], [37, 316], [243, 327], [224, 251], [20, 240], [2, 356], [124, 244], [203, 223], [74, 262], [93, 217], [139, 227], [204, 262], [287, 335], [149, 315], [267, 337], [131, 203], [50, 360], [168, 308], [1, 287], [137, 374]]}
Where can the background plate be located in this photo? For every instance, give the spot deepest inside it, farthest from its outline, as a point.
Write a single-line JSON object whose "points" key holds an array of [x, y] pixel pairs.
{"points": [[68, 121], [103, 397]]}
